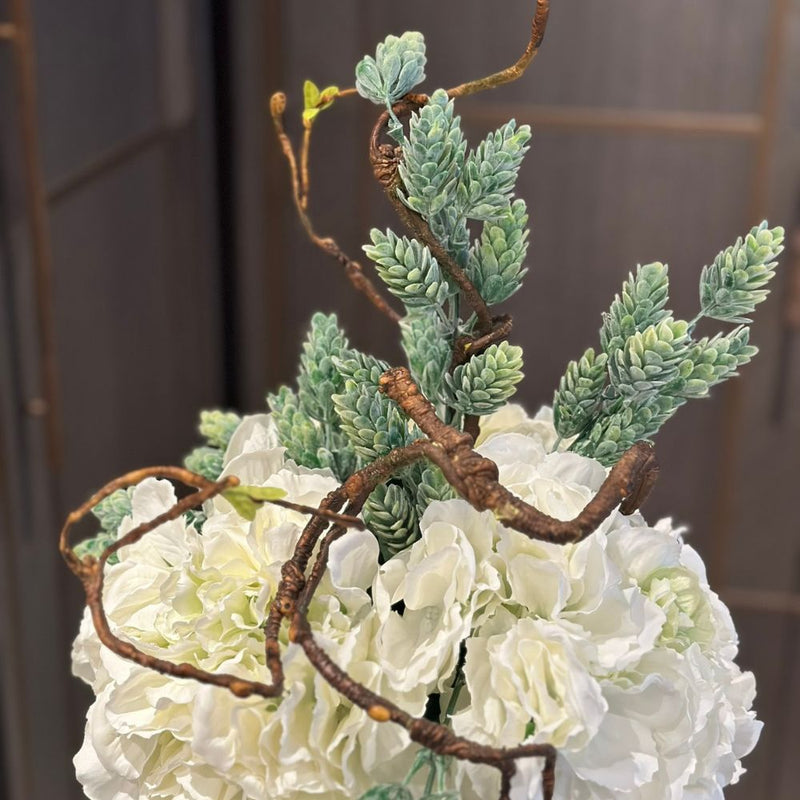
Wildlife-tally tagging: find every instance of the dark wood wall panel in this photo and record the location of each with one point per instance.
(100, 61)
(132, 393)
(681, 55)
(127, 138)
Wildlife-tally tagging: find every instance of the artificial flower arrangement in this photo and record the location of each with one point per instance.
(398, 585)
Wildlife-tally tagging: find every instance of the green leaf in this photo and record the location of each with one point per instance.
(391, 515)
(433, 157)
(310, 95)
(246, 500)
(427, 344)
(316, 100)
(96, 545)
(614, 432)
(491, 170)
(328, 95)
(654, 366)
(319, 378)
(205, 461)
(113, 509)
(217, 427)
(431, 486)
(373, 424)
(713, 361)
(651, 359)
(495, 263)
(307, 423)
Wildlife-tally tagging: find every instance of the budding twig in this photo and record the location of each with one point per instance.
(299, 181)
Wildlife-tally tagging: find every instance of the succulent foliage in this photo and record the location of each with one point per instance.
(487, 380)
(579, 393)
(205, 461)
(433, 157)
(490, 172)
(496, 261)
(426, 343)
(733, 285)
(398, 66)
(391, 515)
(408, 269)
(650, 365)
(337, 418)
(370, 420)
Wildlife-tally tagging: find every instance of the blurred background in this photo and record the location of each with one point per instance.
(151, 266)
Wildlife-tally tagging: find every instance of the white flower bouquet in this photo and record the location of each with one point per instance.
(475, 606)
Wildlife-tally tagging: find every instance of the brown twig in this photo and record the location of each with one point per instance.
(465, 347)
(385, 160)
(422, 231)
(90, 570)
(516, 70)
(341, 519)
(299, 179)
(304, 156)
(473, 476)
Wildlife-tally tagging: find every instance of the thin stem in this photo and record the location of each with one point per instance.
(421, 230)
(304, 156)
(431, 778)
(353, 269)
(459, 682)
(419, 762)
(517, 69)
(694, 321)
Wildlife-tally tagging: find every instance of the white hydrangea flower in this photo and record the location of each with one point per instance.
(614, 649)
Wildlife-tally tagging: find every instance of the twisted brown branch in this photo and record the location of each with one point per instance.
(472, 475)
(385, 159)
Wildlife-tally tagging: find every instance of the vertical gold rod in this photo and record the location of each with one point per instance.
(37, 214)
(722, 525)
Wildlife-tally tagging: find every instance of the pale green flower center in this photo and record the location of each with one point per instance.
(689, 618)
